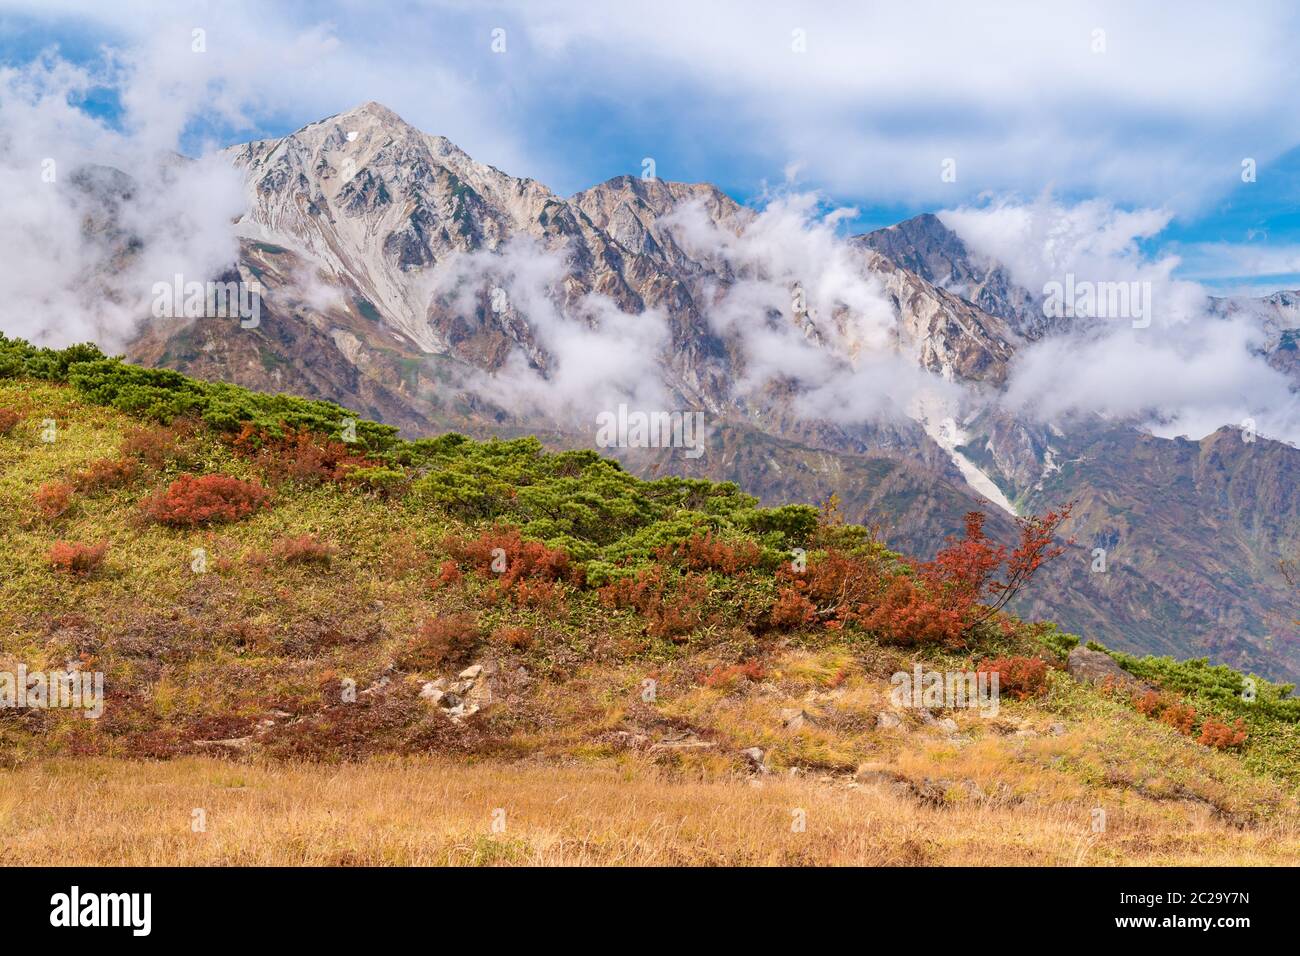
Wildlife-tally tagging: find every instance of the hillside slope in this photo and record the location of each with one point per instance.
(644, 632)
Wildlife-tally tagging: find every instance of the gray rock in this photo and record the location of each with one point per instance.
(684, 742)
(794, 718)
(1056, 730)
(471, 672)
(1093, 667)
(947, 725)
(876, 773)
(754, 756)
(887, 721)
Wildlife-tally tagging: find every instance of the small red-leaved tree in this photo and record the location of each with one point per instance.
(968, 571)
(193, 500)
(970, 581)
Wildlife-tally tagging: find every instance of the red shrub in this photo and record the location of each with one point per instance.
(1179, 716)
(193, 500)
(304, 549)
(502, 552)
(1022, 677)
(942, 600)
(792, 609)
(76, 558)
(672, 611)
(708, 552)
(104, 473)
(156, 446)
(448, 573)
(9, 419)
(302, 456)
(1215, 733)
(543, 595)
(442, 640)
(725, 677)
(1149, 704)
(520, 638)
(53, 498)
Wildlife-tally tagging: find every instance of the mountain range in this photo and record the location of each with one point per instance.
(404, 279)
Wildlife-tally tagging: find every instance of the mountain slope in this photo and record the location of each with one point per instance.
(384, 252)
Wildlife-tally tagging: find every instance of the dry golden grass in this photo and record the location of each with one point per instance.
(102, 812)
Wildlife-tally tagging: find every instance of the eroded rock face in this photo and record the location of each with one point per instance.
(1093, 667)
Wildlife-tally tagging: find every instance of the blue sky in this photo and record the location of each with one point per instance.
(861, 103)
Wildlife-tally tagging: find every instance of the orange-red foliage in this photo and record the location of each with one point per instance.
(1022, 677)
(193, 500)
(9, 419)
(708, 552)
(942, 600)
(304, 549)
(792, 609)
(502, 552)
(1179, 716)
(104, 473)
(1215, 733)
(76, 558)
(672, 611)
(543, 595)
(442, 640)
(53, 498)
(727, 676)
(156, 445)
(448, 573)
(302, 456)
(520, 638)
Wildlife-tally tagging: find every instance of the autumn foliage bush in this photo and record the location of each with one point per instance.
(302, 456)
(9, 420)
(1215, 733)
(304, 549)
(672, 609)
(708, 552)
(1172, 710)
(442, 640)
(727, 676)
(104, 473)
(157, 446)
(193, 500)
(1022, 677)
(502, 552)
(53, 499)
(942, 601)
(76, 558)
